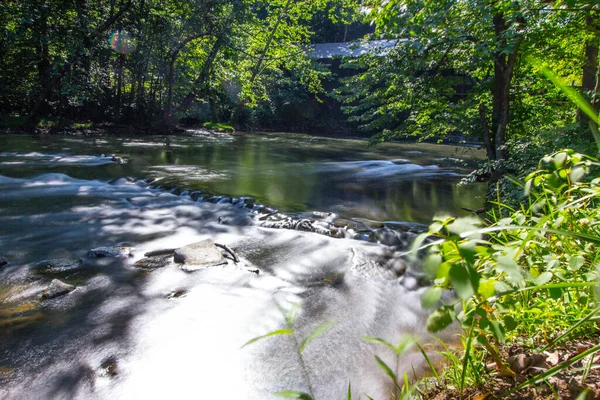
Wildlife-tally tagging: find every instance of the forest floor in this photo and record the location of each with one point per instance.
(580, 380)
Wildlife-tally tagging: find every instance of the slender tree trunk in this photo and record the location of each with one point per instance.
(43, 51)
(504, 65)
(171, 82)
(214, 115)
(488, 139)
(203, 81)
(255, 72)
(119, 85)
(46, 90)
(171, 76)
(591, 67)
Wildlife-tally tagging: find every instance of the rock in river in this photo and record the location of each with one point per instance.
(199, 255)
(3, 261)
(57, 288)
(154, 262)
(112, 251)
(57, 265)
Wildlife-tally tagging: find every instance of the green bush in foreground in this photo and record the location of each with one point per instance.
(530, 276)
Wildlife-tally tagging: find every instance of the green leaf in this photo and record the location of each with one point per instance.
(576, 262)
(543, 278)
(506, 264)
(464, 224)
(274, 333)
(431, 264)
(290, 394)
(464, 279)
(379, 341)
(440, 319)
(349, 392)
(487, 288)
(576, 174)
(431, 297)
(510, 323)
(404, 345)
(317, 332)
(497, 330)
(559, 159)
(388, 371)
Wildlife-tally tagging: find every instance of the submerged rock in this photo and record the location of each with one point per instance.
(199, 255)
(112, 251)
(57, 288)
(3, 261)
(154, 262)
(57, 265)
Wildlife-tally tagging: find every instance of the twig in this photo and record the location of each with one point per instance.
(228, 249)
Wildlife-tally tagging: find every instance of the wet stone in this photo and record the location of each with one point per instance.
(194, 195)
(177, 294)
(111, 252)
(154, 262)
(57, 265)
(3, 261)
(199, 255)
(57, 288)
(386, 236)
(109, 367)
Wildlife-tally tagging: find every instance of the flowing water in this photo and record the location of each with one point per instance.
(123, 334)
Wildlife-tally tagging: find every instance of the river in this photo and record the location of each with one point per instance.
(123, 334)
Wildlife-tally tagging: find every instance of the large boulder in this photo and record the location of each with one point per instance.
(57, 288)
(199, 255)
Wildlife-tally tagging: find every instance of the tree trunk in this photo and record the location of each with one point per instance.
(203, 81)
(503, 72)
(43, 51)
(170, 82)
(119, 85)
(171, 77)
(590, 79)
(255, 72)
(47, 89)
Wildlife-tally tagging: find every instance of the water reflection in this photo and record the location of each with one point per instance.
(393, 181)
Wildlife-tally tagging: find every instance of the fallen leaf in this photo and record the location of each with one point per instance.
(553, 358)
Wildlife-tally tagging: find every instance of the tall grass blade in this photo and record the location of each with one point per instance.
(317, 332)
(274, 333)
(290, 394)
(431, 366)
(388, 371)
(379, 341)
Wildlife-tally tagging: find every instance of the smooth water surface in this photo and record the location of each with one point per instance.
(293, 172)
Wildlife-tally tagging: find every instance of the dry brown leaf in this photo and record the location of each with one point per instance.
(553, 358)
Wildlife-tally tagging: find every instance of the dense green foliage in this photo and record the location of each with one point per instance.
(469, 67)
(147, 60)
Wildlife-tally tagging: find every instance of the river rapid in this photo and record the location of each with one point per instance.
(128, 333)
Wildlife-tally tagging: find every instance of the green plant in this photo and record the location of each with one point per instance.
(403, 389)
(532, 272)
(290, 317)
